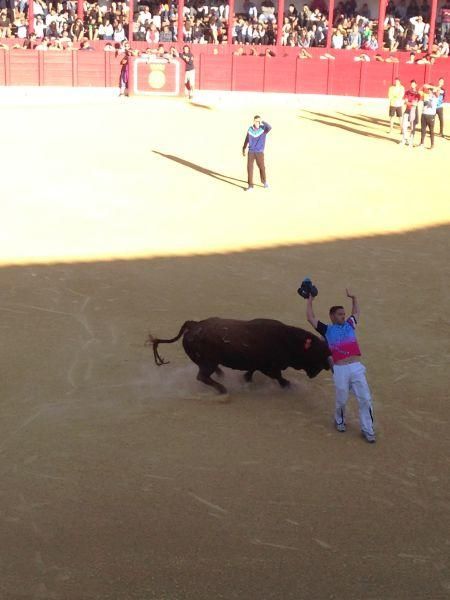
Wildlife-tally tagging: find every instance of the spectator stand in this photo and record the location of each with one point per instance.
(230, 65)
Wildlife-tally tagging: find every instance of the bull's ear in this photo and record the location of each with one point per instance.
(307, 344)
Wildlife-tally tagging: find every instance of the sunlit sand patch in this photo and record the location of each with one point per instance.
(174, 185)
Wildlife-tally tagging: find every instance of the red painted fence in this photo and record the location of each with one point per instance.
(224, 71)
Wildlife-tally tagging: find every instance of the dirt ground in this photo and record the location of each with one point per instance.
(122, 480)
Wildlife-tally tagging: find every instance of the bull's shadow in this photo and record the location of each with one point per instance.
(204, 170)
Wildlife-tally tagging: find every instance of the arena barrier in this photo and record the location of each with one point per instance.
(284, 73)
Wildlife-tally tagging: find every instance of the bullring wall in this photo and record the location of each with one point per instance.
(225, 71)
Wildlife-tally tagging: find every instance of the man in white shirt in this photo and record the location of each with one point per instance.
(420, 28)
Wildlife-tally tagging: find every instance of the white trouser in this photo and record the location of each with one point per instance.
(352, 378)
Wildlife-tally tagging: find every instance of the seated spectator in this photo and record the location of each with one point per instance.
(106, 30)
(92, 29)
(337, 40)
(39, 27)
(286, 31)
(291, 14)
(412, 44)
(267, 11)
(85, 46)
(27, 44)
(303, 54)
(119, 33)
(152, 34)
(65, 34)
(54, 45)
(250, 9)
(316, 36)
(77, 30)
(354, 39)
(52, 30)
(5, 24)
(365, 12)
(401, 10)
(21, 26)
(425, 60)
(187, 31)
(371, 43)
(42, 46)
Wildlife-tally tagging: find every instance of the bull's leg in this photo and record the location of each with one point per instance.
(204, 375)
(276, 374)
(248, 376)
(219, 372)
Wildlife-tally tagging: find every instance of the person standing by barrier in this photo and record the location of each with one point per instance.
(395, 95)
(124, 75)
(349, 373)
(411, 115)
(189, 77)
(256, 141)
(440, 106)
(428, 114)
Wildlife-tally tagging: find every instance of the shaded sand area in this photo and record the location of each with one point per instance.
(126, 481)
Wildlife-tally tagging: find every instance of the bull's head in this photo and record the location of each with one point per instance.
(316, 356)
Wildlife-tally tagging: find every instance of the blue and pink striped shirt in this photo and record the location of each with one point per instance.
(341, 339)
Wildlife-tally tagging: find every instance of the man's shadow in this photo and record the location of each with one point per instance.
(200, 169)
(346, 126)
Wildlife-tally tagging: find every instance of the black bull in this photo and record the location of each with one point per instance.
(259, 345)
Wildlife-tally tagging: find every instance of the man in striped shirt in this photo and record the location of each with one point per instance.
(349, 373)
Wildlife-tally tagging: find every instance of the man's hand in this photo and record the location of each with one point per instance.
(350, 294)
(243, 151)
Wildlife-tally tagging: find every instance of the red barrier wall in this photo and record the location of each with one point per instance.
(224, 71)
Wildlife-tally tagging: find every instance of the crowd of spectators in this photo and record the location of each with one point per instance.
(56, 25)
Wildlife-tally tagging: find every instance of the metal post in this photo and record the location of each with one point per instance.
(330, 23)
(381, 17)
(80, 10)
(130, 20)
(432, 24)
(280, 21)
(180, 22)
(230, 22)
(30, 16)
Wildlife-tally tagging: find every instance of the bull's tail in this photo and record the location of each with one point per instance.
(152, 341)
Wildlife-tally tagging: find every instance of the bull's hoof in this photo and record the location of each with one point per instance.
(221, 389)
(224, 398)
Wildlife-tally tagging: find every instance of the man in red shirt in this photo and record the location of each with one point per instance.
(411, 114)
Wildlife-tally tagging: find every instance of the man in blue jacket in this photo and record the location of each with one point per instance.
(256, 141)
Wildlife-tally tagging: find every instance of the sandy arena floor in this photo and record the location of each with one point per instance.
(125, 481)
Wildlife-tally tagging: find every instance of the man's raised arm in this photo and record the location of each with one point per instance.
(355, 305)
(310, 312)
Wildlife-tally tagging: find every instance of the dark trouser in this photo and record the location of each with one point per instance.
(427, 121)
(259, 157)
(440, 114)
